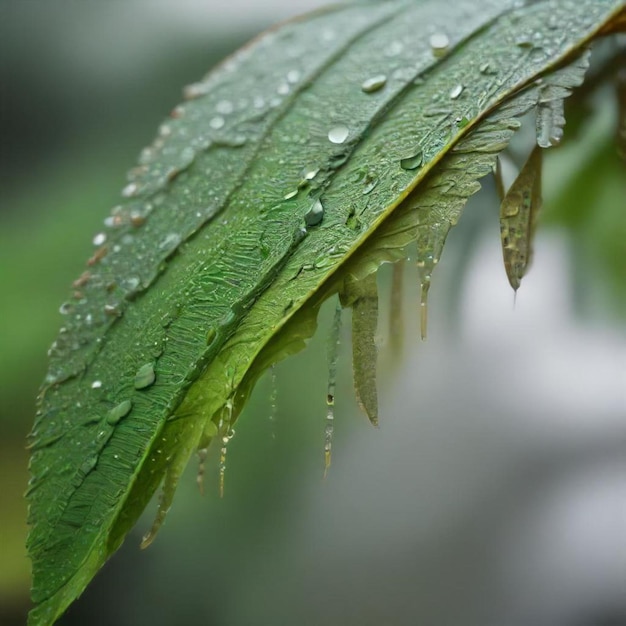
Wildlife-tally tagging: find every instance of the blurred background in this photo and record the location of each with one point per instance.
(494, 491)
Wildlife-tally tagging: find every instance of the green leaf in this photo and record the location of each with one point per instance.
(289, 174)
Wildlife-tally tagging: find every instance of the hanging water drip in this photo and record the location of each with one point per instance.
(226, 433)
(273, 400)
(202, 455)
(333, 356)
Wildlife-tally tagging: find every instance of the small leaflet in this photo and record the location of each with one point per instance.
(550, 107)
(362, 296)
(518, 213)
(333, 356)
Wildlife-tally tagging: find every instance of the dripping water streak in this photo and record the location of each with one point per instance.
(333, 356)
(202, 455)
(273, 400)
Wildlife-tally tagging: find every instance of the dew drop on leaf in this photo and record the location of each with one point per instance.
(373, 84)
(145, 376)
(217, 122)
(225, 107)
(456, 91)
(99, 239)
(315, 214)
(412, 162)
(439, 43)
(338, 134)
(118, 412)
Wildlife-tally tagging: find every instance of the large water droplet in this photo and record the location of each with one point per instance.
(338, 134)
(315, 214)
(373, 84)
(310, 174)
(456, 91)
(119, 412)
(145, 376)
(412, 162)
(439, 43)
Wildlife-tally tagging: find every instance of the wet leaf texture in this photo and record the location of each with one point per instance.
(288, 174)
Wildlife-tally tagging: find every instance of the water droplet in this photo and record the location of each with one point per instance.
(291, 194)
(293, 76)
(99, 239)
(66, 308)
(217, 122)
(314, 215)
(439, 43)
(195, 90)
(130, 190)
(338, 134)
(145, 376)
(119, 412)
(112, 310)
(165, 130)
(456, 91)
(283, 89)
(373, 84)
(412, 162)
(137, 219)
(310, 174)
(225, 107)
(96, 384)
(170, 242)
(370, 185)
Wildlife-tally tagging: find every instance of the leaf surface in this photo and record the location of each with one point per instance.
(312, 155)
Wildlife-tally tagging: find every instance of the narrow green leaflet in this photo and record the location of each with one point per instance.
(290, 173)
(518, 214)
